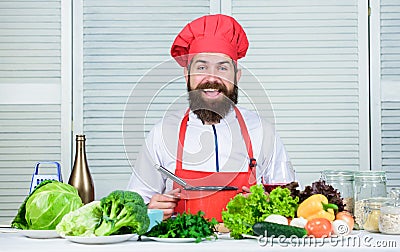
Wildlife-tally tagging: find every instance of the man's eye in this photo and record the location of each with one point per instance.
(201, 68)
(223, 68)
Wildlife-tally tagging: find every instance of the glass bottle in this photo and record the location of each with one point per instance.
(389, 219)
(367, 184)
(80, 176)
(343, 181)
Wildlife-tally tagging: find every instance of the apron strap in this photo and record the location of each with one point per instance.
(243, 129)
(246, 138)
(249, 147)
(181, 141)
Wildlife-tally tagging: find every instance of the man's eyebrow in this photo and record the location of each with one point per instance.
(219, 63)
(224, 62)
(200, 61)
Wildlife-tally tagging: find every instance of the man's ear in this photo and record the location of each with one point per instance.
(185, 72)
(238, 74)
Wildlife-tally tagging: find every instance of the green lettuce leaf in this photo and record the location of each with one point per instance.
(81, 222)
(280, 202)
(244, 211)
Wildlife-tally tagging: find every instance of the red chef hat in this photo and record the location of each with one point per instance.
(213, 34)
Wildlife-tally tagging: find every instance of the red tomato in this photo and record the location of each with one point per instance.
(319, 227)
(347, 217)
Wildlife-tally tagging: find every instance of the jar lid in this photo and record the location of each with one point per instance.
(375, 202)
(370, 176)
(337, 175)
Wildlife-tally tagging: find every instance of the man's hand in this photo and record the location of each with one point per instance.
(166, 202)
(245, 189)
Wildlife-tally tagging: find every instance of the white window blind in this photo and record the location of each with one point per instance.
(307, 54)
(390, 81)
(122, 40)
(30, 103)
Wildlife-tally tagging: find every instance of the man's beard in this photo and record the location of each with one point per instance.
(208, 110)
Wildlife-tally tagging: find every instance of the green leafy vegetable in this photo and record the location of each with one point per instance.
(124, 212)
(244, 211)
(185, 225)
(44, 208)
(280, 202)
(319, 187)
(81, 222)
(120, 212)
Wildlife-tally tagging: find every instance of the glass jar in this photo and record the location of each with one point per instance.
(367, 184)
(389, 219)
(343, 181)
(372, 212)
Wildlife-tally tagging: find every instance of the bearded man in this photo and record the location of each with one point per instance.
(214, 142)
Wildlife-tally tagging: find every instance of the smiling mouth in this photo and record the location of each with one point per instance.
(211, 92)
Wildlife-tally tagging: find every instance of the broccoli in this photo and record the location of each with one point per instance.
(123, 212)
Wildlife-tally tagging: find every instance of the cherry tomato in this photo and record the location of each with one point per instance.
(319, 227)
(347, 217)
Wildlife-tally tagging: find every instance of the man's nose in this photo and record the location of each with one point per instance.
(212, 77)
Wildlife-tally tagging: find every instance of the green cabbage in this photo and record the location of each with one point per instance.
(44, 208)
(81, 222)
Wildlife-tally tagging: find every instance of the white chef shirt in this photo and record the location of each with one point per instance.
(200, 150)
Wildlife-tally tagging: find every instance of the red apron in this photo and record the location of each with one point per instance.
(200, 178)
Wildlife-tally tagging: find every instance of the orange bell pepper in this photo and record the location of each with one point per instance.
(316, 206)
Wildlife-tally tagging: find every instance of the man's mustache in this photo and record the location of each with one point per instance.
(212, 85)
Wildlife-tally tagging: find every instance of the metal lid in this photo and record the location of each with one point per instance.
(373, 176)
(337, 175)
(375, 202)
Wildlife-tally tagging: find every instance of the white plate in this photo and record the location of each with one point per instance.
(173, 240)
(39, 234)
(100, 239)
(7, 229)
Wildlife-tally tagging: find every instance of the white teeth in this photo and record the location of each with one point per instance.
(210, 90)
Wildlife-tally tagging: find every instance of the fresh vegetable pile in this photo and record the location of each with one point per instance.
(244, 211)
(44, 208)
(121, 212)
(316, 211)
(185, 225)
